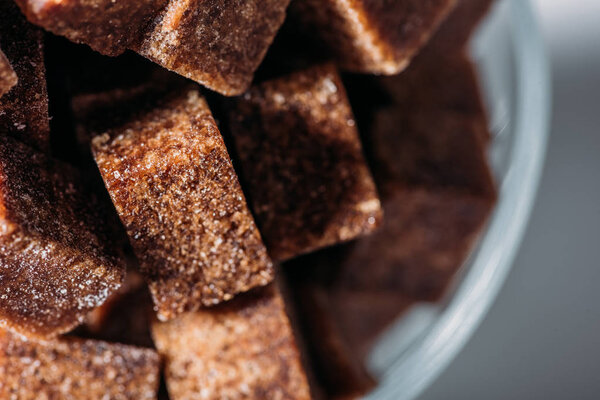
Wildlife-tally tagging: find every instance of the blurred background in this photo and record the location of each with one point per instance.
(541, 338)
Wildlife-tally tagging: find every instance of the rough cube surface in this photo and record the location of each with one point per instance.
(373, 36)
(214, 42)
(8, 77)
(172, 182)
(244, 349)
(75, 369)
(302, 161)
(108, 26)
(24, 109)
(57, 262)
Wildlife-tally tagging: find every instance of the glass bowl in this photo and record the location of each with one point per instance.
(514, 75)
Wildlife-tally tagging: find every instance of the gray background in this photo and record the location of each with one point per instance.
(541, 339)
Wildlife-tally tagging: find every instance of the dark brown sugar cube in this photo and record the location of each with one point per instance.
(218, 44)
(442, 77)
(437, 193)
(57, 259)
(338, 371)
(108, 26)
(24, 109)
(373, 36)
(243, 349)
(171, 180)
(75, 369)
(438, 231)
(302, 161)
(8, 77)
(412, 264)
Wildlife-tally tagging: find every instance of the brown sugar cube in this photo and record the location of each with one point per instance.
(24, 109)
(215, 43)
(58, 260)
(171, 180)
(302, 161)
(341, 326)
(437, 193)
(338, 371)
(75, 369)
(412, 258)
(243, 349)
(373, 36)
(107, 26)
(442, 77)
(8, 78)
